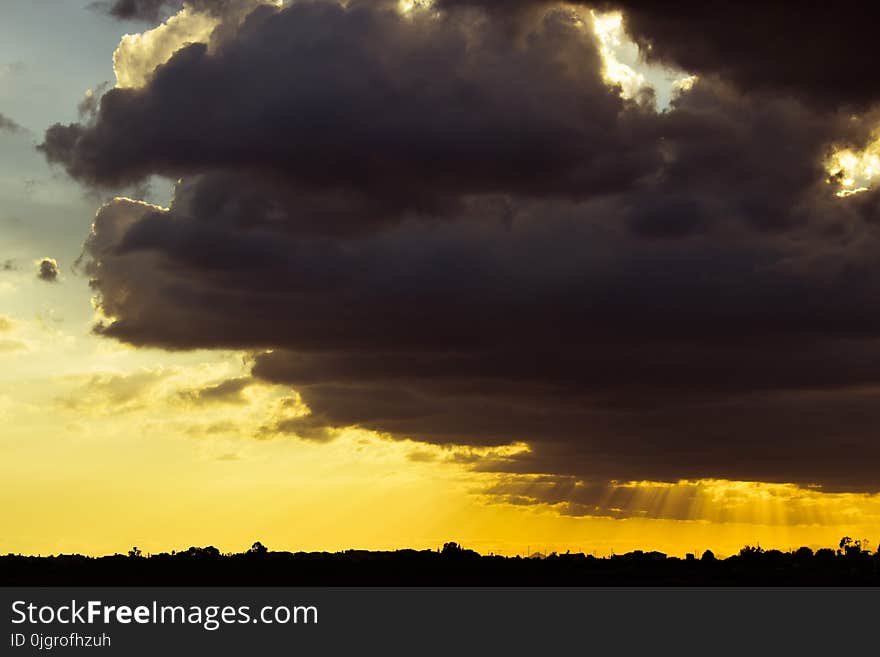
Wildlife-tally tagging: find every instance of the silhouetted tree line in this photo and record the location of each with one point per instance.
(851, 564)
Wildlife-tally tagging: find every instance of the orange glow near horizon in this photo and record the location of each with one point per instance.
(114, 468)
(107, 447)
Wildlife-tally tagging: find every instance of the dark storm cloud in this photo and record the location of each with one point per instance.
(9, 126)
(448, 230)
(412, 112)
(47, 270)
(816, 50)
(611, 357)
(631, 425)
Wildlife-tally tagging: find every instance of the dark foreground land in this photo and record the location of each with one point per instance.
(453, 566)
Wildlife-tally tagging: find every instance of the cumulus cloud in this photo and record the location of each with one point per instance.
(138, 55)
(397, 139)
(448, 226)
(47, 270)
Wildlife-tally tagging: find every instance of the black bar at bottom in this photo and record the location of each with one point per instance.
(416, 621)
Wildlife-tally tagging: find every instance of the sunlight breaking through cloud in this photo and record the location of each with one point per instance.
(712, 500)
(138, 55)
(853, 171)
(612, 40)
(408, 6)
(624, 65)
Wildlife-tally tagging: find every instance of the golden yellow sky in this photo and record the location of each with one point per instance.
(103, 447)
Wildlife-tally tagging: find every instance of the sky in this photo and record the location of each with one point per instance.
(526, 275)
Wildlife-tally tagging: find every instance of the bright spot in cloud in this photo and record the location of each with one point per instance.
(138, 55)
(612, 40)
(624, 66)
(408, 6)
(852, 171)
(685, 84)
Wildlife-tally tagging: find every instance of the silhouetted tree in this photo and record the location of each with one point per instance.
(258, 549)
(209, 552)
(849, 564)
(803, 553)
